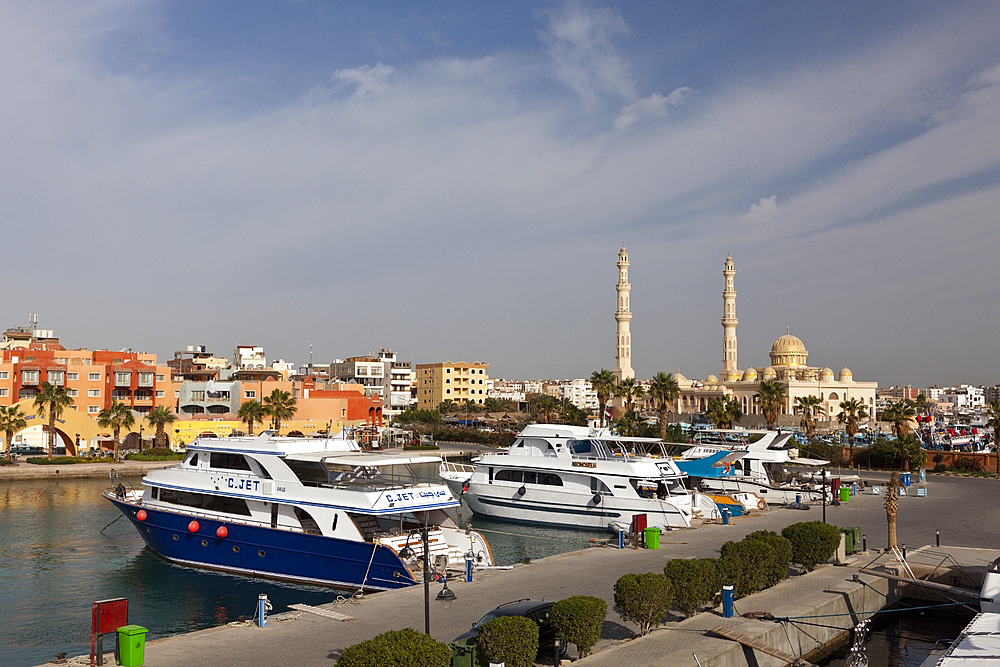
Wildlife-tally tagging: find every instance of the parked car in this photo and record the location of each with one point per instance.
(536, 610)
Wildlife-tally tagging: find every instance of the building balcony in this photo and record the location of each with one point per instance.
(139, 400)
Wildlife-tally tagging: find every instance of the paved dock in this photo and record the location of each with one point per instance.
(29, 471)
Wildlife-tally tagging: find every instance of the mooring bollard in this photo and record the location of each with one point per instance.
(903, 549)
(262, 606)
(864, 542)
(727, 602)
(798, 498)
(621, 539)
(937, 538)
(468, 569)
(725, 517)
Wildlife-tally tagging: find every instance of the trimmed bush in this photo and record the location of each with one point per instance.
(578, 620)
(813, 542)
(752, 560)
(512, 640)
(777, 568)
(643, 599)
(155, 454)
(693, 583)
(397, 648)
(61, 460)
(886, 454)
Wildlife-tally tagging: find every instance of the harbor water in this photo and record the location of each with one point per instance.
(905, 639)
(55, 562)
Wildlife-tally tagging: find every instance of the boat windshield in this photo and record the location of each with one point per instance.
(588, 449)
(658, 488)
(372, 477)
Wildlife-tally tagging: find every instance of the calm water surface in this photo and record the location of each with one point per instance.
(54, 562)
(906, 639)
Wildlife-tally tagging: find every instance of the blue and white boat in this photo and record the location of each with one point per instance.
(312, 511)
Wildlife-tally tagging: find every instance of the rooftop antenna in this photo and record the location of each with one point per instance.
(33, 322)
(310, 358)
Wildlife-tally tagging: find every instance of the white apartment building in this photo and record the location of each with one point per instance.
(580, 393)
(249, 357)
(964, 396)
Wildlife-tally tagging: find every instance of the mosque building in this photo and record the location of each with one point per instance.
(788, 366)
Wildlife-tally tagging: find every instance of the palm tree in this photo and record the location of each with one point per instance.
(717, 411)
(892, 507)
(471, 408)
(498, 404)
(545, 407)
(279, 406)
(11, 421)
(629, 390)
(251, 412)
(851, 412)
(734, 413)
(771, 398)
(159, 417)
(901, 414)
(809, 406)
(446, 406)
(52, 399)
(603, 382)
(117, 417)
(664, 392)
(992, 411)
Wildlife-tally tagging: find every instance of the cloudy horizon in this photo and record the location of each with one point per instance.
(455, 181)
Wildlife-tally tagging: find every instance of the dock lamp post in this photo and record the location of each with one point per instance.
(824, 495)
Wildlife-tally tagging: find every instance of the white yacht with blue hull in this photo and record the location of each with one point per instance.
(313, 511)
(576, 477)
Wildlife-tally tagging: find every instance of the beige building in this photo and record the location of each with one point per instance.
(789, 365)
(456, 381)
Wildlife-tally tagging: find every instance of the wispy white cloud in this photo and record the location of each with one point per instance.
(650, 108)
(582, 45)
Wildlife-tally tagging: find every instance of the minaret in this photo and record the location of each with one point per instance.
(623, 353)
(729, 321)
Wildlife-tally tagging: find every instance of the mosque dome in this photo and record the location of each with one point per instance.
(846, 375)
(733, 375)
(711, 379)
(788, 351)
(679, 377)
(750, 375)
(826, 374)
(769, 374)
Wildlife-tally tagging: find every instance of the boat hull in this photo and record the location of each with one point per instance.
(771, 495)
(259, 551)
(568, 511)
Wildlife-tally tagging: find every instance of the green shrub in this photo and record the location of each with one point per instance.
(60, 460)
(939, 458)
(643, 599)
(751, 559)
(693, 583)
(940, 467)
(155, 454)
(777, 568)
(397, 648)
(813, 542)
(817, 449)
(886, 454)
(578, 620)
(512, 640)
(967, 464)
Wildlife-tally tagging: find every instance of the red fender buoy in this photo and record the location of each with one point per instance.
(141, 515)
(221, 532)
(465, 487)
(193, 527)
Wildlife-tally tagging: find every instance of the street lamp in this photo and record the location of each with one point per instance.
(824, 495)
(141, 427)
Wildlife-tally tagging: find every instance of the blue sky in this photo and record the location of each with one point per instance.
(454, 180)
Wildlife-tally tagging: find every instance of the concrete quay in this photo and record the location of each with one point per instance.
(28, 471)
(962, 509)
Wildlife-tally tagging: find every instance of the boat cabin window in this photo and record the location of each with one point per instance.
(597, 486)
(204, 501)
(229, 461)
(588, 449)
(155, 492)
(192, 459)
(528, 477)
(309, 524)
(310, 473)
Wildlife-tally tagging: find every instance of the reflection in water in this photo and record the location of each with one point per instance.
(906, 639)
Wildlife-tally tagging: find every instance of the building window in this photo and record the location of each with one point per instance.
(251, 393)
(160, 393)
(4, 375)
(57, 378)
(447, 380)
(93, 393)
(447, 391)
(145, 379)
(447, 370)
(120, 395)
(197, 395)
(123, 379)
(72, 377)
(94, 377)
(93, 409)
(4, 392)
(159, 378)
(29, 377)
(72, 393)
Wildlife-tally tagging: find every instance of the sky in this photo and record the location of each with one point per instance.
(453, 180)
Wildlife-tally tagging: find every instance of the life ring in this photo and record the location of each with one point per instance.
(465, 487)
(762, 504)
(727, 468)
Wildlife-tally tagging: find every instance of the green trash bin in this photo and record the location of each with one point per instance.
(131, 645)
(463, 655)
(652, 538)
(845, 494)
(849, 544)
